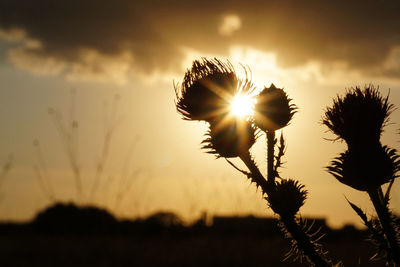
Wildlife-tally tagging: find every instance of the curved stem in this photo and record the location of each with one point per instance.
(386, 222)
(302, 239)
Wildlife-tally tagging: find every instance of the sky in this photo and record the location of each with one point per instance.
(106, 72)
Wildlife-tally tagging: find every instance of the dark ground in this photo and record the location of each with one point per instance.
(65, 235)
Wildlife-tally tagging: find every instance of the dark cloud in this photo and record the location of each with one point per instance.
(362, 34)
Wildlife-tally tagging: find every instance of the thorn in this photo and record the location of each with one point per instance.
(240, 170)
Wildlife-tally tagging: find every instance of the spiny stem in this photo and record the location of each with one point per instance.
(386, 222)
(304, 242)
(270, 156)
(302, 239)
(256, 176)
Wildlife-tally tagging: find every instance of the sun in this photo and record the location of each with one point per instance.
(242, 105)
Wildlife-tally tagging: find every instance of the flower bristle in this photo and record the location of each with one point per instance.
(205, 90)
(359, 117)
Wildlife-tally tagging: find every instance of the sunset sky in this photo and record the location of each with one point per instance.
(122, 58)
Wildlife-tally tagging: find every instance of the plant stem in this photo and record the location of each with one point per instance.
(257, 177)
(270, 156)
(302, 239)
(386, 222)
(304, 243)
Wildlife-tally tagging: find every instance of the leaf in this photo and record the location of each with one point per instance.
(359, 212)
(387, 194)
(281, 153)
(248, 174)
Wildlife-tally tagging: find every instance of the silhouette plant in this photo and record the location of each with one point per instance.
(206, 94)
(358, 118)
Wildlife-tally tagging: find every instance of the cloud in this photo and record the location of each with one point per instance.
(84, 39)
(110, 39)
(230, 24)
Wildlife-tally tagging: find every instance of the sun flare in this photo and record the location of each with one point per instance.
(242, 105)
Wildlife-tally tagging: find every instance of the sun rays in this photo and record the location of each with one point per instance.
(242, 105)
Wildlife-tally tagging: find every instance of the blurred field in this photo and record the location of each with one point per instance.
(58, 238)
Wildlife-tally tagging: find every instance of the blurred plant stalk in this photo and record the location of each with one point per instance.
(117, 185)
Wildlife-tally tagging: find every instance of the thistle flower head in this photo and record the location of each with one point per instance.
(367, 169)
(207, 89)
(359, 116)
(287, 198)
(273, 109)
(229, 137)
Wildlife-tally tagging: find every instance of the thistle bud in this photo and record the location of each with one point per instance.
(273, 109)
(359, 117)
(206, 90)
(287, 198)
(230, 137)
(367, 169)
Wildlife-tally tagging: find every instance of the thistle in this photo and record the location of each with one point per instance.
(206, 94)
(206, 90)
(230, 138)
(287, 198)
(366, 170)
(273, 109)
(358, 118)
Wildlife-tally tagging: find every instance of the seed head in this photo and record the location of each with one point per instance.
(273, 109)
